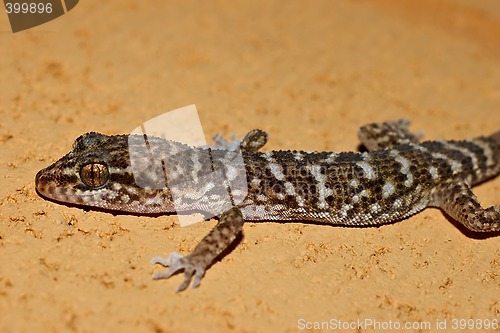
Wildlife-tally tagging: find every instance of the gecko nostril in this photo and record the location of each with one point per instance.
(38, 179)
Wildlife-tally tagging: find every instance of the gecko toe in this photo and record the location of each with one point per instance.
(188, 274)
(176, 262)
(167, 262)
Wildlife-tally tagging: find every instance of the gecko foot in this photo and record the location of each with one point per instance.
(210, 247)
(222, 143)
(176, 262)
(252, 141)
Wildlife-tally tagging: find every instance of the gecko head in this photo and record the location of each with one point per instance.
(98, 172)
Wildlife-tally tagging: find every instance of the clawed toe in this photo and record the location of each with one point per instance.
(176, 262)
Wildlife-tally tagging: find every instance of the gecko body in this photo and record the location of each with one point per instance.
(397, 177)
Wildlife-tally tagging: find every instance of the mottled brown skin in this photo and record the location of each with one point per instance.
(398, 177)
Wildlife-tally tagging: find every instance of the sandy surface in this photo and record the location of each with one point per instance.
(310, 75)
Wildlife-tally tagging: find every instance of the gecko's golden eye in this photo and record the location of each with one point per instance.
(94, 175)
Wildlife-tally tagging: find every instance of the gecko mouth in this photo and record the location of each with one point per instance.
(95, 199)
(49, 186)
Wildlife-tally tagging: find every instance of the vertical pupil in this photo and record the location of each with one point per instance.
(94, 175)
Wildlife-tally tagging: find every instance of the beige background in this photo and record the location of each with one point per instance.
(309, 73)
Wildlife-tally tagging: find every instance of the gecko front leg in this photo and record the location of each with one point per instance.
(220, 237)
(210, 247)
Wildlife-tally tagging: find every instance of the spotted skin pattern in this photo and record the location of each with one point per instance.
(397, 177)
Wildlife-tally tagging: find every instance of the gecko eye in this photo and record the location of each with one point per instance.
(94, 175)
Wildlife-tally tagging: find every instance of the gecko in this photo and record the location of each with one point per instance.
(396, 176)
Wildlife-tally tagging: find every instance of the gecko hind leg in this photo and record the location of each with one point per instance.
(210, 247)
(387, 135)
(458, 201)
